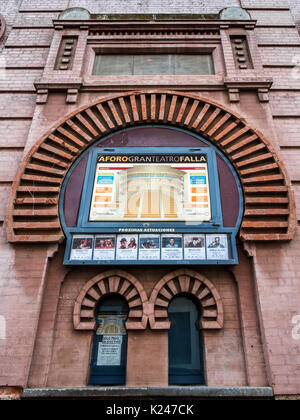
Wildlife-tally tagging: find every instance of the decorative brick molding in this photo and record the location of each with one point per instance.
(114, 281)
(32, 213)
(235, 85)
(241, 52)
(130, 33)
(191, 283)
(155, 309)
(66, 53)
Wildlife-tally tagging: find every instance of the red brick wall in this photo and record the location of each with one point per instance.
(224, 353)
(22, 289)
(147, 361)
(277, 271)
(295, 8)
(61, 355)
(9, 10)
(154, 6)
(35, 346)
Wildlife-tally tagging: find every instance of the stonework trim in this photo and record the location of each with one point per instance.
(171, 393)
(113, 281)
(269, 202)
(185, 281)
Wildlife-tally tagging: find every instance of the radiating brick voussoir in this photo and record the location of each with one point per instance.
(107, 283)
(189, 282)
(256, 163)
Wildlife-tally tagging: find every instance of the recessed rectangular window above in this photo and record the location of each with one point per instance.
(134, 65)
(153, 64)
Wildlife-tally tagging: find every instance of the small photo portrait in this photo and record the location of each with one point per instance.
(127, 242)
(82, 243)
(194, 241)
(172, 242)
(105, 243)
(194, 247)
(217, 247)
(82, 247)
(149, 243)
(132, 243)
(217, 242)
(127, 247)
(172, 247)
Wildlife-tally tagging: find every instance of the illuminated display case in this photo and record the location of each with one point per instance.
(151, 187)
(151, 205)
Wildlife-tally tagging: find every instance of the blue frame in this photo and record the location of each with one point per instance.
(215, 226)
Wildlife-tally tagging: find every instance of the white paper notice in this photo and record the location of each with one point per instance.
(109, 350)
(194, 247)
(127, 247)
(82, 247)
(104, 248)
(217, 247)
(171, 247)
(149, 247)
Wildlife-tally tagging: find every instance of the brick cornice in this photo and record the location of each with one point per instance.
(32, 213)
(183, 22)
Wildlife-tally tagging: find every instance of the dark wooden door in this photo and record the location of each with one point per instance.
(109, 352)
(186, 365)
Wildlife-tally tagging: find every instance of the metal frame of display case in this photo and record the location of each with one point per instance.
(214, 226)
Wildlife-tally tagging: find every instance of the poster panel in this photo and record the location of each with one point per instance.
(164, 187)
(194, 247)
(127, 247)
(171, 247)
(149, 247)
(104, 247)
(82, 247)
(112, 329)
(109, 350)
(217, 247)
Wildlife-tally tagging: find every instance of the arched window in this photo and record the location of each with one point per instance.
(186, 365)
(109, 351)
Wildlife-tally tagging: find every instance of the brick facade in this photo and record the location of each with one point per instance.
(258, 344)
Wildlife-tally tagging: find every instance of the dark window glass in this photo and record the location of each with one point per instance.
(153, 64)
(185, 343)
(181, 325)
(109, 351)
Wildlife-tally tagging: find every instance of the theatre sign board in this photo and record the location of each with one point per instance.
(165, 188)
(151, 206)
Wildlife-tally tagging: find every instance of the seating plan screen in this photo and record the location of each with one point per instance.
(151, 188)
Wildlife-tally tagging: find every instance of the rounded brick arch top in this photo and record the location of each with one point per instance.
(113, 281)
(33, 215)
(191, 283)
